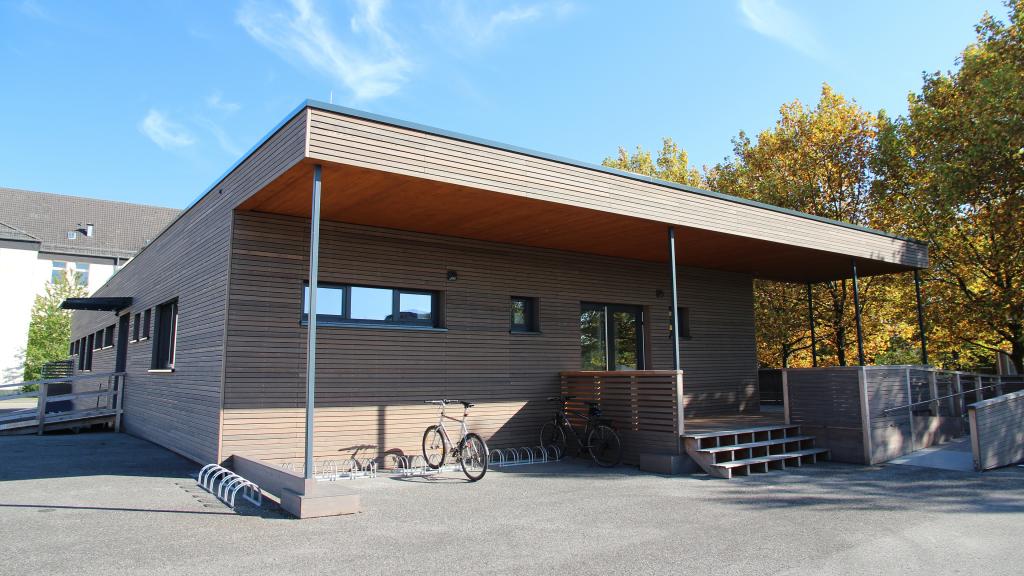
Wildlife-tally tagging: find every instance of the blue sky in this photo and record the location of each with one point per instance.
(151, 101)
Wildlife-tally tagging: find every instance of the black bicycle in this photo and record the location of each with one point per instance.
(602, 442)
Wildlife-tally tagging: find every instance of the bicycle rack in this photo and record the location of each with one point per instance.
(501, 457)
(226, 485)
(348, 469)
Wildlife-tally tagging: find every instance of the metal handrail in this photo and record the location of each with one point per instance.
(955, 394)
(63, 379)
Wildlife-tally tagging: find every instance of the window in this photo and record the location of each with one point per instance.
(98, 340)
(524, 315)
(371, 305)
(58, 270)
(74, 348)
(611, 337)
(108, 336)
(87, 357)
(166, 329)
(82, 273)
(146, 323)
(81, 354)
(684, 322)
(135, 327)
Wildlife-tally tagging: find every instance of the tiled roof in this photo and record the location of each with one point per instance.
(120, 229)
(12, 233)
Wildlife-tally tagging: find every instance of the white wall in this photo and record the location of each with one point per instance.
(24, 276)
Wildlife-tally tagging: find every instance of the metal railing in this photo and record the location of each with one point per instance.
(958, 381)
(106, 396)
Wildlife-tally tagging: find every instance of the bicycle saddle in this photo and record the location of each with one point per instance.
(559, 398)
(466, 404)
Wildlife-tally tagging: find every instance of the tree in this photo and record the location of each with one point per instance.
(815, 160)
(952, 172)
(49, 331)
(672, 164)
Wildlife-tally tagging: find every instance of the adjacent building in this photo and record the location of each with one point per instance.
(43, 236)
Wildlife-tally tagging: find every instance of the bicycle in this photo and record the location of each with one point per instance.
(603, 442)
(471, 452)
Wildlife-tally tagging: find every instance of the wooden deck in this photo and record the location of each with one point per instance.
(733, 422)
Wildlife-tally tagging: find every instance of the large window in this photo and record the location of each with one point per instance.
(611, 337)
(524, 315)
(340, 304)
(165, 339)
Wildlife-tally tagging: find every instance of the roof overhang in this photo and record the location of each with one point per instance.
(385, 173)
(112, 304)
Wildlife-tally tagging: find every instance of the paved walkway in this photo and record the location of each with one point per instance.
(955, 455)
(111, 504)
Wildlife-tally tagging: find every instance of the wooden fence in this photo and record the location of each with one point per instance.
(872, 414)
(645, 407)
(997, 431)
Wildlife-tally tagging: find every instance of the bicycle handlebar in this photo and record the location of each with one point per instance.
(443, 401)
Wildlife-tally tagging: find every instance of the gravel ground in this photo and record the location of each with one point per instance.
(104, 503)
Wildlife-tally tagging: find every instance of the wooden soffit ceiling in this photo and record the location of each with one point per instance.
(374, 198)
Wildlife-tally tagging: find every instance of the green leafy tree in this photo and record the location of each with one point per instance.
(49, 331)
(815, 160)
(672, 164)
(952, 172)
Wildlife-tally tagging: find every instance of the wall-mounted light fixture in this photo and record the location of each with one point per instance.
(453, 275)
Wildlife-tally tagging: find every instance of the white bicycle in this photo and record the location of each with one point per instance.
(471, 452)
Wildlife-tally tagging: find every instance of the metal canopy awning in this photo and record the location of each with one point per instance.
(112, 304)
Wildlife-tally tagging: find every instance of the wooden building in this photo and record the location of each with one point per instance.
(449, 266)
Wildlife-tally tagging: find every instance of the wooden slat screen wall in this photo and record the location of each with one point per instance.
(360, 142)
(997, 431)
(371, 382)
(189, 261)
(826, 403)
(642, 405)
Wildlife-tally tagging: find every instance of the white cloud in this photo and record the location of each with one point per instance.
(165, 133)
(366, 60)
(478, 29)
(769, 19)
(226, 143)
(217, 102)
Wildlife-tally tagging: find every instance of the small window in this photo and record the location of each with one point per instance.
(371, 305)
(164, 342)
(58, 270)
(146, 323)
(87, 365)
(684, 323)
(135, 327)
(108, 336)
(524, 315)
(74, 348)
(81, 354)
(97, 342)
(82, 273)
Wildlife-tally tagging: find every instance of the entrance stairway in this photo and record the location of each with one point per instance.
(728, 453)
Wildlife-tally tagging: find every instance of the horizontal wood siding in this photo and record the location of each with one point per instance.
(643, 407)
(188, 261)
(826, 403)
(359, 142)
(371, 382)
(997, 430)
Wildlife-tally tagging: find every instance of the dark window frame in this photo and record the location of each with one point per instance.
(87, 364)
(135, 327)
(685, 323)
(108, 336)
(165, 337)
(147, 323)
(531, 314)
(345, 319)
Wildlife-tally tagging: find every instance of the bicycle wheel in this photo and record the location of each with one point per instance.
(434, 449)
(551, 434)
(605, 446)
(473, 456)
